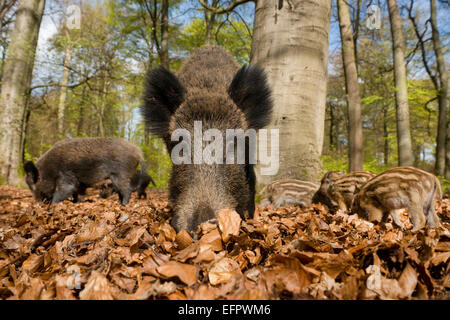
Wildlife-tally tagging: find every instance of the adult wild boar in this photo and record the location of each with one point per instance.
(74, 164)
(212, 89)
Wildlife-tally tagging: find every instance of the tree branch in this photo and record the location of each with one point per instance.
(221, 10)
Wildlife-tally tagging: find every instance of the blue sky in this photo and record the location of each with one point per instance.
(186, 11)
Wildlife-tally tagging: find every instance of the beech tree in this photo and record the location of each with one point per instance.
(16, 80)
(405, 155)
(355, 133)
(290, 40)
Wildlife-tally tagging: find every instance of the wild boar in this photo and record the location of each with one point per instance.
(80, 163)
(321, 195)
(342, 190)
(396, 189)
(139, 183)
(288, 192)
(209, 88)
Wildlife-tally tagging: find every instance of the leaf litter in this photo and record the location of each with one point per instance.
(99, 249)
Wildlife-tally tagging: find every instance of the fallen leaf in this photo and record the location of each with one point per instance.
(184, 272)
(229, 223)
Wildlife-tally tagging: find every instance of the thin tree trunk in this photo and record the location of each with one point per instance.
(447, 156)
(102, 104)
(17, 76)
(355, 133)
(165, 34)
(440, 166)
(290, 41)
(385, 136)
(26, 121)
(64, 83)
(210, 20)
(332, 134)
(405, 154)
(355, 34)
(81, 115)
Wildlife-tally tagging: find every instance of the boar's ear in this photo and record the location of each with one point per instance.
(163, 95)
(31, 171)
(251, 93)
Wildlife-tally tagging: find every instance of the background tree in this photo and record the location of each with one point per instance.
(438, 76)
(441, 166)
(405, 155)
(15, 86)
(355, 136)
(290, 40)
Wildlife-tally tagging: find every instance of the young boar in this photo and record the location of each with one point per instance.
(288, 192)
(321, 195)
(342, 190)
(209, 88)
(396, 189)
(74, 164)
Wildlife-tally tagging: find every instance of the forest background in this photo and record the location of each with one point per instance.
(88, 79)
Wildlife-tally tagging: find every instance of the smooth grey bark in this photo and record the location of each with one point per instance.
(405, 154)
(442, 164)
(16, 81)
(290, 41)
(355, 132)
(64, 83)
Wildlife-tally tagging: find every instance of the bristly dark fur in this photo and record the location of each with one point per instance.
(32, 170)
(163, 95)
(72, 165)
(209, 87)
(251, 93)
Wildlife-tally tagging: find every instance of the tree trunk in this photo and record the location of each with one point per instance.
(385, 136)
(210, 20)
(16, 80)
(440, 166)
(355, 34)
(209, 24)
(405, 155)
(64, 83)
(165, 34)
(355, 133)
(102, 104)
(332, 134)
(447, 156)
(290, 41)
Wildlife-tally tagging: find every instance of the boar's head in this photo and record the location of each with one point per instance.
(41, 188)
(357, 207)
(323, 194)
(209, 88)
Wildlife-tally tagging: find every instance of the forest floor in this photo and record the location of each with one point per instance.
(99, 249)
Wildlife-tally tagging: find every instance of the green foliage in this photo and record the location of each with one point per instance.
(231, 34)
(331, 163)
(445, 184)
